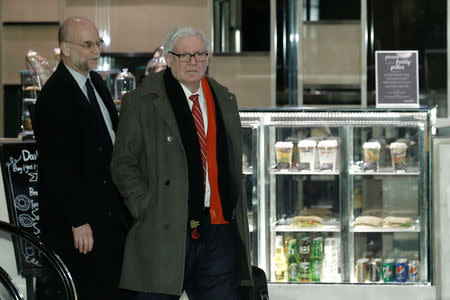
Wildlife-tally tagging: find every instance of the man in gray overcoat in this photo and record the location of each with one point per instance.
(177, 161)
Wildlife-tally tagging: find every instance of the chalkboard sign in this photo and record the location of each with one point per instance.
(20, 174)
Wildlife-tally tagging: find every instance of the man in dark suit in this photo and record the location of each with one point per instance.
(82, 214)
(178, 163)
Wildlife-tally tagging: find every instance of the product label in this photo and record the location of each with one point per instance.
(316, 270)
(304, 271)
(293, 271)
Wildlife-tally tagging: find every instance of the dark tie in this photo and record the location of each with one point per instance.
(96, 109)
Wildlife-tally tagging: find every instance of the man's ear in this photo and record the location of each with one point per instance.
(65, 48)
(168, 61)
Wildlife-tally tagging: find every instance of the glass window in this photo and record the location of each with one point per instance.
(412, 25)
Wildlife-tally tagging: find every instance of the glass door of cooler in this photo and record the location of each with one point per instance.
(304, 178)
(251, 128)
(388, 176)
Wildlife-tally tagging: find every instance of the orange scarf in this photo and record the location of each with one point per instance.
(215, 206)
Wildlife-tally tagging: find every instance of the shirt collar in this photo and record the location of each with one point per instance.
(79, 78)
(188, 93)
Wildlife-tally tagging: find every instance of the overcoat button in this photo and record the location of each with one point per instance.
(167, 182)
(169, 138)
(166, 226)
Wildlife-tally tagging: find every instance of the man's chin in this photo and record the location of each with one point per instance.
(93, 66)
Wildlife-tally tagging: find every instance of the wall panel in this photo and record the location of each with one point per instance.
(247, 76)
(30, 10)
(18, 39)
(332, 54)
(141, 25)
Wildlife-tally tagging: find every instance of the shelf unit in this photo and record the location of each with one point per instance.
(347, 192)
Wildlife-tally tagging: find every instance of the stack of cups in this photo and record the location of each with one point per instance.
(330, 266)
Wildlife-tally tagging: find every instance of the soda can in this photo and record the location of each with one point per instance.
(387, 270)
(414, 271)
(401, 270)
(374, 274)
(361, 269)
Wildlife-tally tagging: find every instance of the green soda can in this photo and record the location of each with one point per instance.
(387, 270)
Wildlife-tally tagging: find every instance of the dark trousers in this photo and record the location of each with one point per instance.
(211, 268)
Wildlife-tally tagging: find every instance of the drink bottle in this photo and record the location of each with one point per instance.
(293, 261)
(316, 261)
(280, 260)
(304, 272)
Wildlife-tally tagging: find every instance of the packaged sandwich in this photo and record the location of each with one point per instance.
(370, 221)
(398, 222)
(307, 221)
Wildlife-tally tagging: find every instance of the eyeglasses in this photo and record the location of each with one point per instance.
(100, 43)
(185, 57)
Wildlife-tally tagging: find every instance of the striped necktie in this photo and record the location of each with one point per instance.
(199, 125)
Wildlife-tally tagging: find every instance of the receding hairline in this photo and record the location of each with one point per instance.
(65, 30)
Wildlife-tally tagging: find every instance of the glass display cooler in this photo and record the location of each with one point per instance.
(340, 197)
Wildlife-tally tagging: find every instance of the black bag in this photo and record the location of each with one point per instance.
(259, 290)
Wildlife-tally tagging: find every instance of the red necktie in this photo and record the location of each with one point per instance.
(199, 125)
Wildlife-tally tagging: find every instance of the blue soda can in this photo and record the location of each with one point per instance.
(401, 270)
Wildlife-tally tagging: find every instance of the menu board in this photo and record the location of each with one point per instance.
(397, 78)
(20, 174)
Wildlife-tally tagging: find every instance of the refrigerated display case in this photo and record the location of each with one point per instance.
(351, 188)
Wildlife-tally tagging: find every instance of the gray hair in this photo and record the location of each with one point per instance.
(183, 31)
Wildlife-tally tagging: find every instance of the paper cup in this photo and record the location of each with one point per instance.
(283, 154)
(327, 155)
(371, 156)
(307, 155)
(398, 156)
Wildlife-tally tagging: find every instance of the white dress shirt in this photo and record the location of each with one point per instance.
(81, 80)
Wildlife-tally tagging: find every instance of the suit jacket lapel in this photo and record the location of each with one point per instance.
(70, 85)
(106, 98)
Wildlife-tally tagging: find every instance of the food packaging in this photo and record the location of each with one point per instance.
(371, 156)
(284, 154)
(327, 155)
(307, 155)
(398, 156)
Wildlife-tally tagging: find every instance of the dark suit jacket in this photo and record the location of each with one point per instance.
(75, 185)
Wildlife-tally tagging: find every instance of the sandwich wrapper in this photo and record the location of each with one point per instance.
(389, 222)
